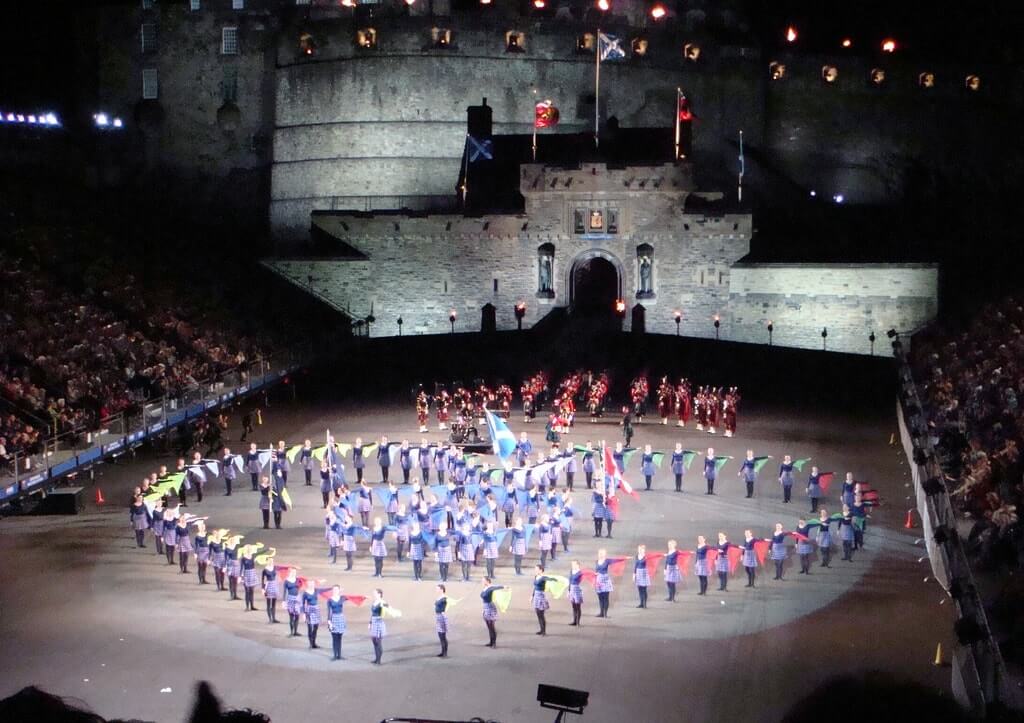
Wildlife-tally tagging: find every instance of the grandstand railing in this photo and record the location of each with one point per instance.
(979, 678)
(72, 452)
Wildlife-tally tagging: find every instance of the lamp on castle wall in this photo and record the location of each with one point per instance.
(451, 319)
(520, 309)
(399, 322)
(678, 316)
(771, 328)
(871, 339)
(824, 338)
(620, 308)
(718, 323)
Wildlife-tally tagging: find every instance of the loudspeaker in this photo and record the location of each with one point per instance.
(65, 501)
(555, 697)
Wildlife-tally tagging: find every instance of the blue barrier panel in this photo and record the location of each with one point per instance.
(157, 427)
(89, 455)
(113, 446)
(34, 480)
(61, 468)
(9, 491)
(212, 403)
(242, 389)
(136, 436)
(228, 396)
(196, 410)
(175, 418)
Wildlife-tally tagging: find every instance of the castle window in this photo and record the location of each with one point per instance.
(596, 220)
(366, 38)
(229, 85)
(515, 42)
(691, 52)
(150, 84)
(229, 41)
(195, 5)
(579, 224)
(829, 73)
(613, 221)
(441, 37)
(307, 45)
(877, 76)
(238, 4)
(147, 4)
(926, 80)
(545, 270)
(644, 271)
(148, 35)
(585, 43)
(972, 82)
(639, 47)
(776, 70)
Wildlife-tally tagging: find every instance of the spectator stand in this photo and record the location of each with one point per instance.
(980, 679)
(37, 471)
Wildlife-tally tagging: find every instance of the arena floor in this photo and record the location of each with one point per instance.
(87, 615)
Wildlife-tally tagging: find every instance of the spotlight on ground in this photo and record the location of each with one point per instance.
(564, 700)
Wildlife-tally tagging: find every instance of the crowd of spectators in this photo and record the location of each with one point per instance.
(71, 356)
(971, 381)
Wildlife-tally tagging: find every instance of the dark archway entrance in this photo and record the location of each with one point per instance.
(595, 287)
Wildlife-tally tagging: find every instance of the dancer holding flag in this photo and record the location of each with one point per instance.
(489, 597)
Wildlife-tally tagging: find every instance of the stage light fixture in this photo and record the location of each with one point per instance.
(791, 34)
(846, 43)
(877, 76)
(972, 83)
(604, 5)
(888, 45)
(829, 73)
(776, 70)
(691, 51)
(926, 80)
(658, 11)
(539, 4)
(838, 198)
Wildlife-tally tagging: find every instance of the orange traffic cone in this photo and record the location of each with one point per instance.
(99, 496)
(909, 524)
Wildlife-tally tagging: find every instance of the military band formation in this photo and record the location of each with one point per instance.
(476, 513)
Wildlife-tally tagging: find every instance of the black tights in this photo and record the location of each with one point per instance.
(169, 549)
(443, 637)
(679, 483)
(577, 613)
(266, 518)
(778, 569)
(336, 644)
(642, 591)
(233, 587)
(671, 591)
(417, 569)
(723, 580)
(466, 564)
(183, 561)
(598, 524)
(250, 603)
(443, 569)
(750, 576)
(311, 632)
(703, 584)
(293, 625)
(590, 479)
(805, 564)
(140, 538)
(378, 649)
(378, 567)
(490, 566)
(201, 571)
(602, 601)
(542, 622)
(272, 609)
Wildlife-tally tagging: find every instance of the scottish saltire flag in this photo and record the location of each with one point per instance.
(479, 149)
(609, 48)
(502, 440)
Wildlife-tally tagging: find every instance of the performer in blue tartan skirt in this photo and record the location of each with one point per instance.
(804, 548)
(599, 510)
(306, 461)
(336, 620)
(440, 464)
(219, 561)
(490, 548)
(292, 602)
(603, 582)
(641, 577)
(271, 589)
(391, 506)
(443, 552)
(466, 549)
(365, 502)
(778, 550)
(377, 628)
(441, 619)
(846, 533)
(358, 460)
(416, 550)
(282, 465)
(571, 465)
(825, 537)
(183, 543)
(588, 464)
(405, 460)
(228, 470)
(250, 577)
(814, 488)
(848, 489)
(384, 458)
(334, 531)
(748, 471)
(647, 466)
(202, 548)
(139, 517)
(264, 502)
(678, 463)
(540, 599)
(171, 533)
(518, 545)
(490, 612)
(157, 524)
(672, 576)
(722, 561)
(253, 466)
(545, 541)
(326, 484)
(749, 556)
(233, 569)
(311, 609)
(700, 564)
(576, 592)
(786, 477)
(377, 548)
(401, 531)
(710, 470)
(348, 540)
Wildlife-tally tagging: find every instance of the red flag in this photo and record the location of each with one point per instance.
(589, 576)
(711, 557)
(617, 566)
(761, 550)
(652, 559)
(735, 555)
(824, 480)
(685, 114)
(545, 115)
(684, 561)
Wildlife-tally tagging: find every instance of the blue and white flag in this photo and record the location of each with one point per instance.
(479, 150)
(503, 442)
(609, 48)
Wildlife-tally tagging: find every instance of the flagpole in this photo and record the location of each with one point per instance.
(679, 92)
(739, 183)
(534, 125)
(465, 173)
(597, 85)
